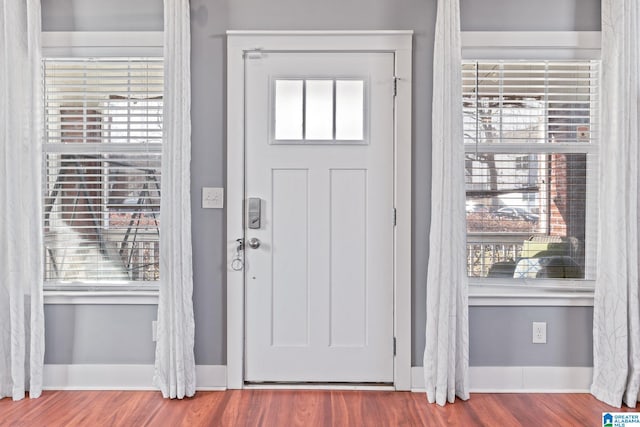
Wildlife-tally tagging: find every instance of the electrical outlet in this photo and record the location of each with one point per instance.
(539, 333)
(212, 197)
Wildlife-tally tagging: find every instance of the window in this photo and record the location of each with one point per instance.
(522, 162)
(530, 137)
(319, 111)
(102, 161)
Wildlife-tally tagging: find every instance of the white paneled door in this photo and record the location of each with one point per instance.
(319, 224)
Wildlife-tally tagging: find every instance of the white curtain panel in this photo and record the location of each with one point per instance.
(446, 355)
(175, 362)
(21, 271)
(616, 322)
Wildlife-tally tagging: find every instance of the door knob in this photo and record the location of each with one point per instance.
(254, 243)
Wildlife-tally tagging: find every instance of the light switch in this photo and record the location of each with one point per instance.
(212, 198)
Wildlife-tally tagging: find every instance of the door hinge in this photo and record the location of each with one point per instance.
(395, 86)
(253, 54)
(395, 217)
(394, 346)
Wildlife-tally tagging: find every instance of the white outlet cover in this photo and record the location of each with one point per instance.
(539, 333)
(212, 197)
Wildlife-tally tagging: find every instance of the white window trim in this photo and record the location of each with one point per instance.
(530, 45)
(496, 294)
(398, 42)
(69, 44)
(123, 297)
(561, 45)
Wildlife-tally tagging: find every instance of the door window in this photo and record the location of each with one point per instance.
(319, 111)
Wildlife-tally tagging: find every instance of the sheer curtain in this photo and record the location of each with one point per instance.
(616, 321)
(21, 271)
(446, 354)
(175, 363)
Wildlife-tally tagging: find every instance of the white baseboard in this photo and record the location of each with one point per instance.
(123, 377)
(520, 379)
(482, 379)
(211, 377)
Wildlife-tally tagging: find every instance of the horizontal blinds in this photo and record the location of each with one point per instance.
(102, 163)
(104, 100)
(530, 130)
(530, 102)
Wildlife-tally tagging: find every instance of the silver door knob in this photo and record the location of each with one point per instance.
(254, 243)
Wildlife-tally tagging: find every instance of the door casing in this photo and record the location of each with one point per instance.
(400, 44)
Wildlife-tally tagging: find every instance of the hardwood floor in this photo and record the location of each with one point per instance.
(299, 408)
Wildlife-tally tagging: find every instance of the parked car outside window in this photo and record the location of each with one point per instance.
(515, 212)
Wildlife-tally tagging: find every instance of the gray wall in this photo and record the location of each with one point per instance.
(524, 15)
(96, 15)
(499, 335)
(87, 334)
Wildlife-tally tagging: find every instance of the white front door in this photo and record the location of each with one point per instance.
(320, 220)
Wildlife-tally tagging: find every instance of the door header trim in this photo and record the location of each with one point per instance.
(315, 33)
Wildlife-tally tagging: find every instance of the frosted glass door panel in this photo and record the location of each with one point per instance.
(349, 110)
(319, 110)
(288, 120)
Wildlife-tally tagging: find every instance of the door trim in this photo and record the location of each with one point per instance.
(400, 44)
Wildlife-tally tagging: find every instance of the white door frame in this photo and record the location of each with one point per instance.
(400, 44)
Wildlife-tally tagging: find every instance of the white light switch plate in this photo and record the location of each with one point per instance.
(212, 198)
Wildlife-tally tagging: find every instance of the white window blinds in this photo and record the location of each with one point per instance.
(102, 160)
(530, 135)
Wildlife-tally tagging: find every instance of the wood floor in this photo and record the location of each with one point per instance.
(299, 408)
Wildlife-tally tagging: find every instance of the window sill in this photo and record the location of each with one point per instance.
(481, 294)
(119, 297)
